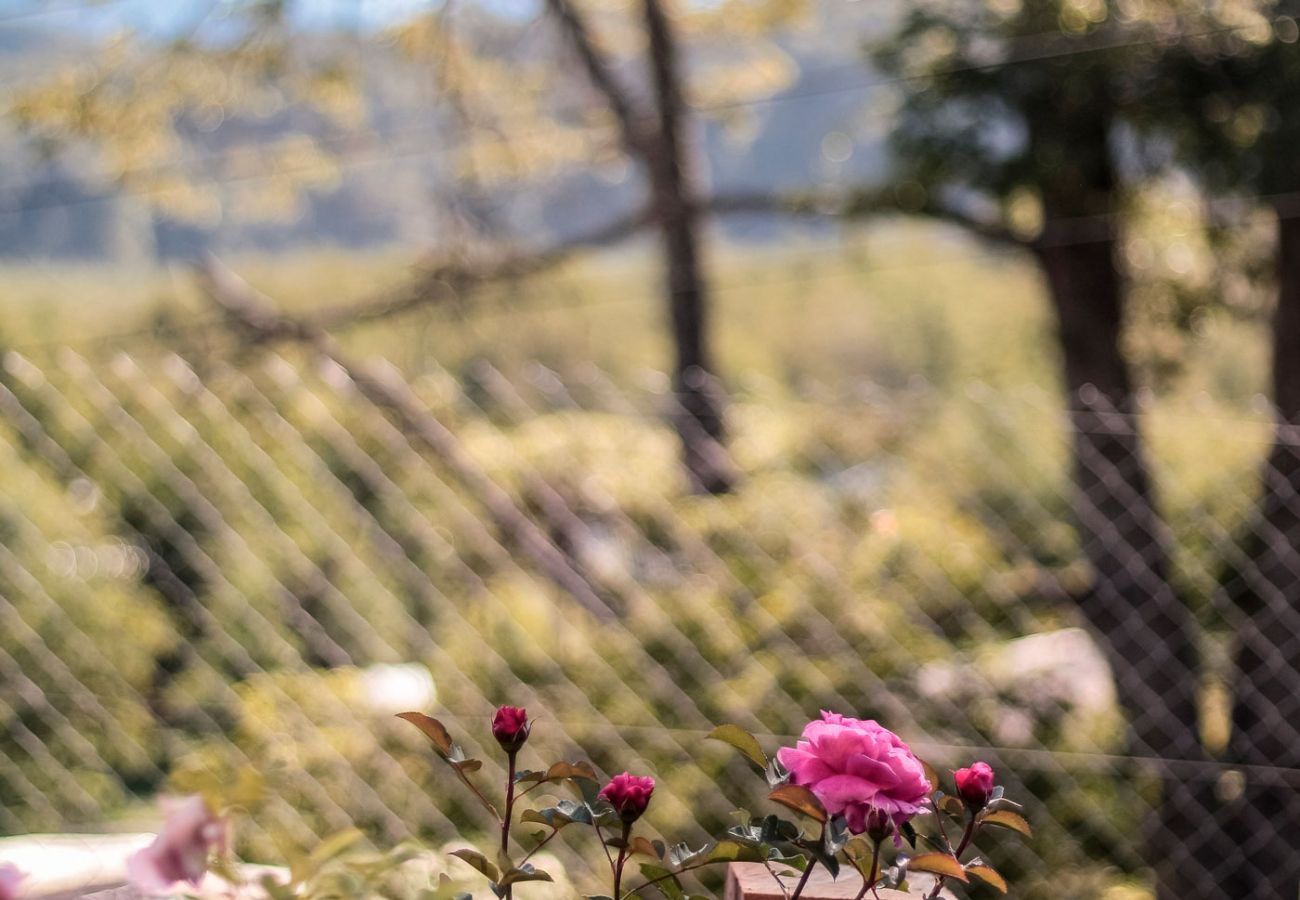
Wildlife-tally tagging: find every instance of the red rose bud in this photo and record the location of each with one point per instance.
(629, 795)
(510, 727)
(975, 784)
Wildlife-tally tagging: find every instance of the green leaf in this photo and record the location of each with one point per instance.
(937, 864)
(334, 845)
(988, 875)
(727, 851)
(478, 862)
(275, 890)
(857, 848)
(668, 885)
(434, 730)
(800, 799)
(743, 741)
(1005, 818)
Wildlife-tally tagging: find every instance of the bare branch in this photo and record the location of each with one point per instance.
(451, 281)
(447, 282)
(863, 204)
(637, 141)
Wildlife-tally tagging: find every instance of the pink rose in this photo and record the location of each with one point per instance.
(10, 876)
(629, 795)
(189, 834)
(856, 768)
(510, 727)
(975, 784)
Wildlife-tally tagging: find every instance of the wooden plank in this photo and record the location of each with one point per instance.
(753, 881)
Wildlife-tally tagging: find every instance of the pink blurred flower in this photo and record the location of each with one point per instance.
(510, 727)
(975, 784)
(10, 877)
(189, 834)
(629, 795)
(856, 768)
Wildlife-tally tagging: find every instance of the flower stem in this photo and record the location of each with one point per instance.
(798, 888)
(509, 816)
(961, 848)
(622, 858)
(870, 883)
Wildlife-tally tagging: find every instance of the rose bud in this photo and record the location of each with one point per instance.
(510, 727)
(629, 795)
(975, 784)
(878, 825)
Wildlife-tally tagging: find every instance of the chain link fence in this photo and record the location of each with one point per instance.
(230, 571)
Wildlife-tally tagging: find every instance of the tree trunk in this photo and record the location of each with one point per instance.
(1146, 631)
(698, 411)
(1266, 676)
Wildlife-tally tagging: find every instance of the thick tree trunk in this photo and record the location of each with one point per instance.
(1266, 677)
(698, 412)
(1146, 631)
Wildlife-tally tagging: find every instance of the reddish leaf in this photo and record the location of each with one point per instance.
(988, 875)
(1007, 819)
(937, 864)
(434, 730)
(801, 800)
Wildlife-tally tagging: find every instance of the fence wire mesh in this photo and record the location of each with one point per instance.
(234, 572)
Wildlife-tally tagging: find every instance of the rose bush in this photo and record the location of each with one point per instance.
(852, 783)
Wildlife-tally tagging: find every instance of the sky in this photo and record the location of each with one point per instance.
(170, 17)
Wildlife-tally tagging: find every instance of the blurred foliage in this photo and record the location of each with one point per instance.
(1167, 119)
(234, 118)
(153, 111)
(219, 546)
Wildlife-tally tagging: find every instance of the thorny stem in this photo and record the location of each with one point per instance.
(798, 888)
(961, 848)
